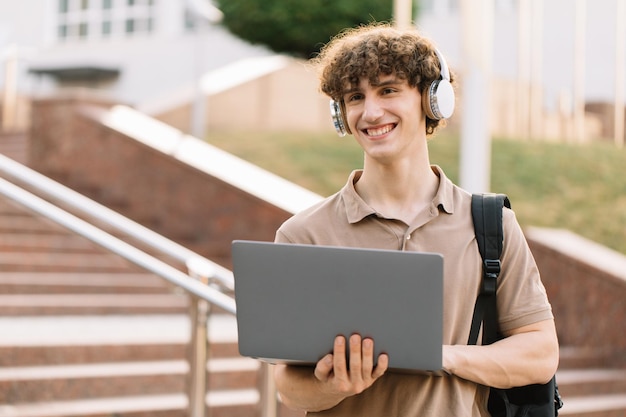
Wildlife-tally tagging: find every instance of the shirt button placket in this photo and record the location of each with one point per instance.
(407, 237)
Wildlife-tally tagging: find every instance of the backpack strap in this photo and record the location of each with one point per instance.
(487, 217)
(531, 399)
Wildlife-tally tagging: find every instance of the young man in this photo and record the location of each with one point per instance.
(378, 75)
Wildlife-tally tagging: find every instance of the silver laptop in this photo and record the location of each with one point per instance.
(293, 300)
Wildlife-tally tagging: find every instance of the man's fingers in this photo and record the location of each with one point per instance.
(368, 358)
(339, 358)
(356, 358)
(381, 366)
(324, 368)
(333, 368)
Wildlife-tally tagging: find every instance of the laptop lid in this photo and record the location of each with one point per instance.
(293, 300)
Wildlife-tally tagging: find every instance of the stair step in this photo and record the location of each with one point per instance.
(579, 382)
(16, 152)
(86, 339)
(81, 282)
(25, 222)
(38, 304)
(11, 207)
(108, 330)
(613, 405)
(222, 404)
(33, 355)
(66, 382)
(14, 145)
(575, 357)
(36, 242)
(63, 261)
(72, 382)
(38, 340)
(92, 370)
(13, 148)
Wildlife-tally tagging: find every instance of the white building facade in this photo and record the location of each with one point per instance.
(560, 53)
(134, 50)
(565, 53)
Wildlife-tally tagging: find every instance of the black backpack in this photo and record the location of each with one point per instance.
(538, 400)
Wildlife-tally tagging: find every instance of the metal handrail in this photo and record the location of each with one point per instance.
(203, 271)
(117, 246)
(52, 189)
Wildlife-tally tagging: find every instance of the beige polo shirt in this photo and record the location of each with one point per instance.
(445, 227)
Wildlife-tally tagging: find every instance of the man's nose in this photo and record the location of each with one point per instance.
(372, 109)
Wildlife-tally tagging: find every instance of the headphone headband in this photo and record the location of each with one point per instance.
(445, 72)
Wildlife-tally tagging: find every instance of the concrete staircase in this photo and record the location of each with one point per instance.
(85, 333)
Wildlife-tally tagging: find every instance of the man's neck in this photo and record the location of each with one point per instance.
(399, 191)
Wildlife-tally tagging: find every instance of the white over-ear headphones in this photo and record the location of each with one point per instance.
(437, 100)
(336, 113)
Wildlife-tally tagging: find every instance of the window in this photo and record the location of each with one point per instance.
(130, 26)
(83, 30)
(62, 31)
(106, 28)
(190, 21)
(79, 20)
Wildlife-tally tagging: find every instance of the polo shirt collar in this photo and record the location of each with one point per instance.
(357, 209)
(444, 199)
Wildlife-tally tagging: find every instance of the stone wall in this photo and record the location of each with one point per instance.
(586, 284)
(176, 200)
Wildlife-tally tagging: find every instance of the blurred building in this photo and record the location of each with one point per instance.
(550, 58)
(157, 56)
(152, 54)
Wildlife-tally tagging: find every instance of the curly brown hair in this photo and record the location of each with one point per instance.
(375, 49)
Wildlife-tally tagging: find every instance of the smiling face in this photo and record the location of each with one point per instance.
(385, 117)
(373, 53)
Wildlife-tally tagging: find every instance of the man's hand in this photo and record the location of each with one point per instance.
(355, 377)
(334, 378)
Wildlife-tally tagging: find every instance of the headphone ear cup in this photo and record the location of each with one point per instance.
(336, 113)
(438, 100)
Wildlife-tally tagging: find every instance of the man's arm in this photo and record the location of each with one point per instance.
(527, 355)
(333, 379)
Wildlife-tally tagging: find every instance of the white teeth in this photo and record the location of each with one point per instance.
(380, 131)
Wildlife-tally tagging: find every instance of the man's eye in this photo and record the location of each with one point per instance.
(355, 97)
(389, 90)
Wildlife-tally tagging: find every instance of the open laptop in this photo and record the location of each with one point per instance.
(293, 300)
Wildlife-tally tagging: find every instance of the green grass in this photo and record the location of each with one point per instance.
(581, 188)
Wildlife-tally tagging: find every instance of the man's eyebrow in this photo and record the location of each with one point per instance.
(357, 89)
(391, 81)
(351, 90)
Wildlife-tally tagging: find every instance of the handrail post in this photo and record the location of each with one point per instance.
(269, 400)
(199, 312)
